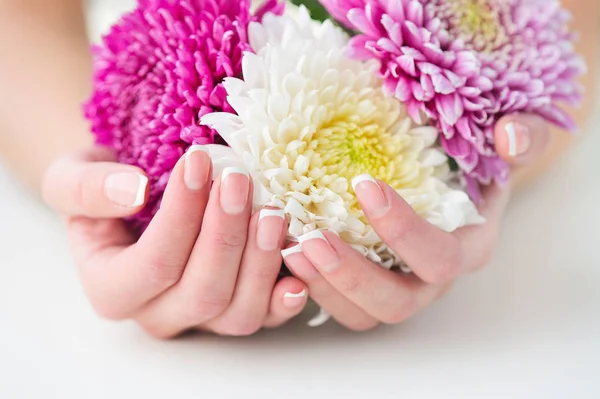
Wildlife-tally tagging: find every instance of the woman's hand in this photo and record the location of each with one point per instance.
(359, 294)
(203, 263)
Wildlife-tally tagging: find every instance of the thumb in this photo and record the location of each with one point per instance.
(521, 138)
(91, 184)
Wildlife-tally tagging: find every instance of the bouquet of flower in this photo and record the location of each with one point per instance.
(406, 91)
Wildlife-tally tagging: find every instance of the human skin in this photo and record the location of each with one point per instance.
(43, 139)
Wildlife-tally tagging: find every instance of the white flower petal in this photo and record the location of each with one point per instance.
(311, 119)
(223, 157)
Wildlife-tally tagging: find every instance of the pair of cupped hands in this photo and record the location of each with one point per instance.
(207, 263)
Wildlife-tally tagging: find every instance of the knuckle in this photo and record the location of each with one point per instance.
(107, 311)
(405, 310)
(398, 230)
(242, 328)
(229, 241)
(157, 331)
(363, 325)
(205, 308)
(351, 283)
(443, 272)
(263, 271)
(445, 269)
(163, 274)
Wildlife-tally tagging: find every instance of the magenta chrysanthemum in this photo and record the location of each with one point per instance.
(466, 63)
(159, 70)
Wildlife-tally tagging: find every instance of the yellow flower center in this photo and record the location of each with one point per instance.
(351, 145)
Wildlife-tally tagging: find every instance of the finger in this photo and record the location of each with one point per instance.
(434, 255)
(387, 296)
(91, 184)
(323, 293)
(261, 264)
(206, 288)
(478, 242)
(288, 300)
(521, 138)
(122, 279)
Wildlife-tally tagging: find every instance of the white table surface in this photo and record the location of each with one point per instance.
(527, 327)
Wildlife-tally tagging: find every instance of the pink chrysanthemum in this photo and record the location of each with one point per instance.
(158, 72)
(466, 63)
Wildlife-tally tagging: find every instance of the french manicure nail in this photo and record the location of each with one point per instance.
(196, 167)
(270, 229)
(235, 187)
(296, 249)
(292, 300)
(519, 139)
(319, 251)
(371, 196)
(127, 189)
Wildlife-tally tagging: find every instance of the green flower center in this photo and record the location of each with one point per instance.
(475, 21)
(348, 149)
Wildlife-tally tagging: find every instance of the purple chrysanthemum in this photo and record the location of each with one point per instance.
(159, 70)
(466, 63)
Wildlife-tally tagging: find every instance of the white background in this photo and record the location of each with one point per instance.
(527, 327)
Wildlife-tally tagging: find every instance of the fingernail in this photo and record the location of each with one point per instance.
(519, 139)
(292, 300)
(405, 269)
(126, 189)
(270, 228)
(196, 167)
(235, 186)
(296, 249)
(300, 266)
(318, 249)
(370, 195)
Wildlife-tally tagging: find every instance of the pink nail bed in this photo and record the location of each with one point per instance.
(270, 229)
(319, 251)
(235, 187)
(371, 196)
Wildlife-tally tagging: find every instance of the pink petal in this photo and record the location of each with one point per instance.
(442, 84)
(466, 64)
(414, 12)
(407, 63)
(414, 111)
(402, 88)
(393, 29)
(357, 48)
(362, 23)
(450, 108)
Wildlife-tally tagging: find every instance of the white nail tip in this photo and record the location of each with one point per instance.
(291, 251)
(265, 213)
(301, 294)
(315, 234)
(320, 319)
(405, 269)
(362, 178)
(233, 171)
(511, 134)
(196, 148)
(141, 193)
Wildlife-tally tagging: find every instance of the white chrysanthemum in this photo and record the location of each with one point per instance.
(310, 119)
